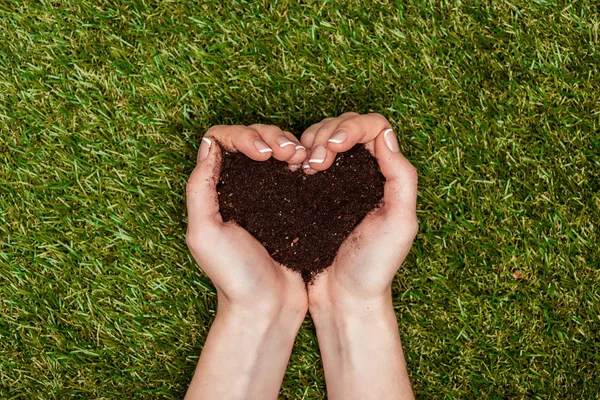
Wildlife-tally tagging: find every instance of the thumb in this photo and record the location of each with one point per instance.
(400, 190)
(201, 189)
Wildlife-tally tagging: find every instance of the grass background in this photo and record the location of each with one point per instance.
(103, 103)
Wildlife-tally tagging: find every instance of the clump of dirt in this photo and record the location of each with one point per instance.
(300, 219)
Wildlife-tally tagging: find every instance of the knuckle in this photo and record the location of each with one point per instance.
(379, 117)
(190, 187)
(326, 125)
(258, 127)
(408, 224)
(405, 225)
(214, 131)
(413, 175)
(313, 128)
(193, 180)
(221, 134)
(266, 130)
(348, 124)
(409, 173)
(199, 239)
(192, 241)
(412, 172)
(306, 138)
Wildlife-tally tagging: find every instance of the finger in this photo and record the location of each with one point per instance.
(283, 148)
(308, 135)
(326, 130)
(243, 139)
(201, 189)
(307, 139)
(305, 164)
(400, 189)
(358, 129)
(301, 152)
(323, 156)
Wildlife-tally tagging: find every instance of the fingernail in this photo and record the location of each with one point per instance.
(299, 146)
(338, 137)
(204, 149)
(262, 147)
(318, 155)
(305, 164)
(391, 140)
(282, 141)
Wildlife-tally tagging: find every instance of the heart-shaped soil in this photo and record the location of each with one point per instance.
(300, 219)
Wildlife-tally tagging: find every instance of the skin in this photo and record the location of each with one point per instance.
(351, 302)
(261, 304)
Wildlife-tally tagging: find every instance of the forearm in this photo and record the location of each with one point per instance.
(245, 354)
(361, 351)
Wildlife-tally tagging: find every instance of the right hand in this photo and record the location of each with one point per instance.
(243, 272)
(261, 304)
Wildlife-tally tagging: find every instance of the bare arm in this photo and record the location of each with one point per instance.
(260, 304)
(361, 350)
(245, 354)
(351, 301)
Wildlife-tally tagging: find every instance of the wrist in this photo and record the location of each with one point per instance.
(265, 314)
(331, 298)
(353, 313)
(282, 299)
(345, 316)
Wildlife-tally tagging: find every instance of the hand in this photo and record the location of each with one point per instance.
(261, 304)
(368, 260)
(350, 301)
(241, 269)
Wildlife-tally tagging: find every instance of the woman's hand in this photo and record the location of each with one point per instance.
(241, 269)
(364, 268)
(261, 304)
(350, 301)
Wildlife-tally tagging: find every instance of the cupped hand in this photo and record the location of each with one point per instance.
(368, 259)
(241, 269)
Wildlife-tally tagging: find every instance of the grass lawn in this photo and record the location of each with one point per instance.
(103, 103)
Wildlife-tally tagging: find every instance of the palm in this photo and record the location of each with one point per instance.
(250, 260)
(368, 259)
(244, 267)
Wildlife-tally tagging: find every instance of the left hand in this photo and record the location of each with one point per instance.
(368, 259)
(351, 301)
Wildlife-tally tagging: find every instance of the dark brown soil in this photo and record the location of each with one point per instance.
(300, 219)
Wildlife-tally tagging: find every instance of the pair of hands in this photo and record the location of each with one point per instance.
(242, 270)
(262, 304)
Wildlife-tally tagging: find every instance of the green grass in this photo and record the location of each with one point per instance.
(102, 105)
